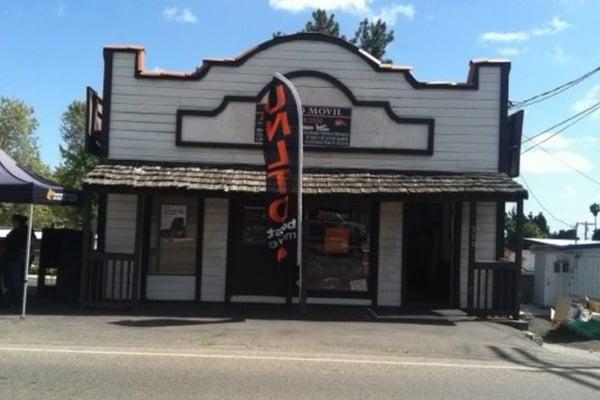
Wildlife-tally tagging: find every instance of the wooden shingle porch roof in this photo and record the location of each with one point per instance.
(249, 179)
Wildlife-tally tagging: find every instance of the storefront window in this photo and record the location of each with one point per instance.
(173, 235)
(337, 248)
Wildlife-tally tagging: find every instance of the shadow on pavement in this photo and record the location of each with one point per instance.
(237, 312)
(582, 375)
(165, 322)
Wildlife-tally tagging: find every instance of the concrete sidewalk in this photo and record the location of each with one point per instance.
(334, 330)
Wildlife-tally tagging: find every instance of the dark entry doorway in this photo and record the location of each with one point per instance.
(430, 254)
(252, 269)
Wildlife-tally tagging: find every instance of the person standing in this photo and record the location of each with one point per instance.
(15, 250)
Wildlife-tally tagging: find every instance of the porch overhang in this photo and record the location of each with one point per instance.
(147, 177)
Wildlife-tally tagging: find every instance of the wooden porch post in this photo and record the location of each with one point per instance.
(518, 257)
(472, 240)
(85, 246)
(139, 229)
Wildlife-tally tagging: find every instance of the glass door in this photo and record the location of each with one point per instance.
(173, 248)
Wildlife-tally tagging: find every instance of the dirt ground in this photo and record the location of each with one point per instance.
(541, 326)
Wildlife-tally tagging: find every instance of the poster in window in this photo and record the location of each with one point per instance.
(337, 240)
(173, 219)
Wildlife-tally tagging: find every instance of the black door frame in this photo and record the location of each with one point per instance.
(145, 250)
(456, 229)
(373, 206)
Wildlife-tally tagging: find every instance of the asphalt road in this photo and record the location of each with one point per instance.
(39, 372)
(345, 354)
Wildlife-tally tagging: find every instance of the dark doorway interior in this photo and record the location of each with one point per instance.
(429, 254)
(252, 268)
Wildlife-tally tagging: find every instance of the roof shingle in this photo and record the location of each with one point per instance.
(322, 181)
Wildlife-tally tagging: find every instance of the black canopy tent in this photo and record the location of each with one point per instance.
(18, 184)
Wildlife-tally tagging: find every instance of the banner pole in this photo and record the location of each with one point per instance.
(26, 266)
(299, 225)
(302, 293)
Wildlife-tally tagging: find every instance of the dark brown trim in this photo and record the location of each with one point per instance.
(404, 261)
(374, 210)
(472, 82)
(85, 247)
(471, 247)
(146, 247)
(518, 256)
(457, 231)
(139, 229)
(230, 249)
(430, 122)
(101, 223)
(503, 131)
(106, 102)
(199, 247)
(500, 220)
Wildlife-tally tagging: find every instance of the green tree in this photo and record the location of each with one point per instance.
(565, 234)
(596, 235)
(541, 222)
(18, 139)
(373, 37)
(533, 227)
(76, 162)
(595, 209)
(323, 23)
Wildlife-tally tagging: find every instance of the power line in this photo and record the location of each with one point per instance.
(581, 115)
(542, 205)
(590, 178)
(562, 122)
(553, 92)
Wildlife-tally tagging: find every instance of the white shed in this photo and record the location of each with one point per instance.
(565, 267)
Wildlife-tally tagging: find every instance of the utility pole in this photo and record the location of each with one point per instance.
(585, 225)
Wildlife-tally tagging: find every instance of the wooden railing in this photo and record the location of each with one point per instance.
(111, 279)
(494, 289)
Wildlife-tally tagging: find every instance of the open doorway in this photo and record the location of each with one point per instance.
(430, 254)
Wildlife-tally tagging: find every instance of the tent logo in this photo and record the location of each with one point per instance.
(51, 195)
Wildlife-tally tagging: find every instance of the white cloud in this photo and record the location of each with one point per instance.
(559, 56)
(591, 97)
(540, 162)
(352, 6)
(550, 142)
(505, 37)
(390, 14)
(174, 14)
(509, 51)
(553, 27)
(560, 142)
(563, 148)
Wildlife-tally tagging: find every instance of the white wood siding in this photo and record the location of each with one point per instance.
(485, 244)
(143, 110)
(214, 249)
(389, 279)
(121, 213)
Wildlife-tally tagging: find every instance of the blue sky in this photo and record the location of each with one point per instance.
(51, 50)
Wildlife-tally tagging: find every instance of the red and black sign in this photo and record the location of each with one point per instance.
(280, 149)
(324, 126)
